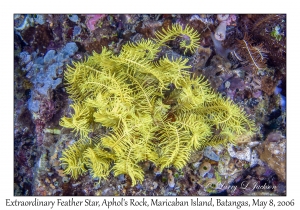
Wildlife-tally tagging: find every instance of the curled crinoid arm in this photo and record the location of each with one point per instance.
(98, 165)
(79, 121)
(145, 48)
(174, 145)
(190, 37)
(72, 159)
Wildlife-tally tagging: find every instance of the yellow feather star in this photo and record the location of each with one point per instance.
(154, 109)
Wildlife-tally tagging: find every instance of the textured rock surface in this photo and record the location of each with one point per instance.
(274, 155)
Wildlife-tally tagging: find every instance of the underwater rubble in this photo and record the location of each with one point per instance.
(242, 56)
